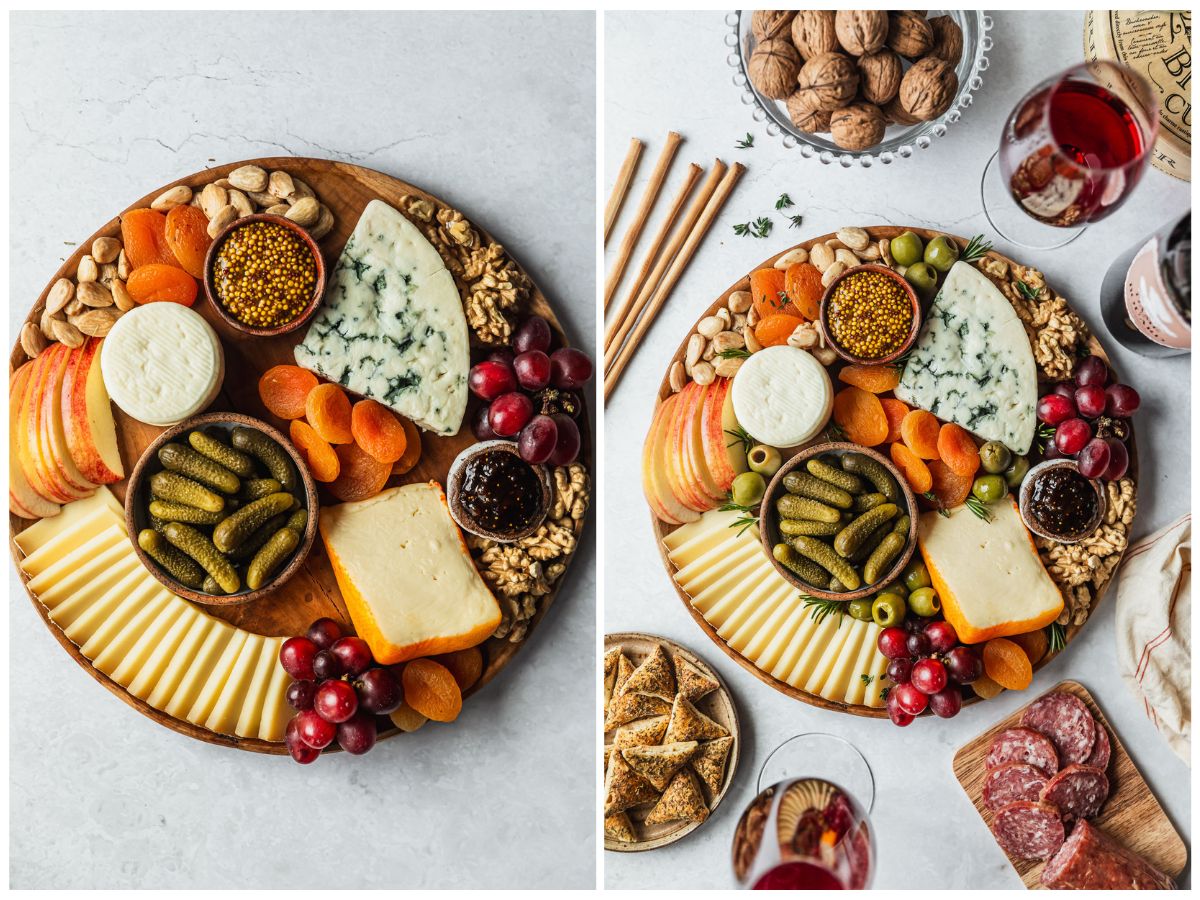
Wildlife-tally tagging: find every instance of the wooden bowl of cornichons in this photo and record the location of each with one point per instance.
(838, 521)
(221, 509)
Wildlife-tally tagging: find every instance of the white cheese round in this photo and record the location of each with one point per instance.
(162, 363)
(782, 396)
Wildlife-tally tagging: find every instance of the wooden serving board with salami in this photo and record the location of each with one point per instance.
(1027, 773)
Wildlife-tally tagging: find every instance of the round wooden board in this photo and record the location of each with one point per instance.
(312, 592)
(718, 706)
(662, 529)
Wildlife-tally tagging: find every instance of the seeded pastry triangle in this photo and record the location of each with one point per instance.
(610, 674)
(681, 801)
(658, 765)
(693, 684)
(624, 670)
(642, 733)
(620, 828)
(628, 707)
(653, 677)
(624, 787)
(709, 762)
(689, 724)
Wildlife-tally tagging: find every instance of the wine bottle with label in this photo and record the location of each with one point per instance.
(1146, 297)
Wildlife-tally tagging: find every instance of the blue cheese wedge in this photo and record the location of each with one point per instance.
(391, 326)
(973, 364)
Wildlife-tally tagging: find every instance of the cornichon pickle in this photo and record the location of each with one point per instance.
(170, 511)
(836, 586)
(239, 526)
(198, 467)
(269, 453)
(201, 549)
(851, 537)
(220, 452)
(298, 521)
(835, 476)
(808, 571)
(257, 488)
(901, 526)
(874, 472)
(808, 526)
(175, 487)
(210, 586)
(883, 555)
(789, 506)
(278, 548)
(822, 554)
(252, 544)
(863, 502)
(178, 566)
(806, 485)
(867, 547)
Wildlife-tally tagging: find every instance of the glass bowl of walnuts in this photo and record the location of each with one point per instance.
(859, 86)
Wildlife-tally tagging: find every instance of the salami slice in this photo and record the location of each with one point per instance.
(1102, 749)
(1028, 830)
(1023, 745)
(1090, 860)
(1078, 791)
(1010, 782)
(1067, 722)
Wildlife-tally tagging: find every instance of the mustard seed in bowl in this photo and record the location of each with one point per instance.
(869, 315)
(264, 274)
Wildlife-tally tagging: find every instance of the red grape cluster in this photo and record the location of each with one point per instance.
(1089, 417)
(927, 665)
(529, 396)
(338, 692)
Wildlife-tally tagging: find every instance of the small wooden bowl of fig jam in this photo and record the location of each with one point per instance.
(1059, 503)
(495, 494)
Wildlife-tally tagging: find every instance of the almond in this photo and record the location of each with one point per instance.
(241, 203)
(121, 297)
(95, 322)
(324, 224)
(67, 333)
(60, 295)
(33, 341)
(87, 270)
(93, 294)
(122, 265)
(212, 199)
(280, 185)
(105, 249)
(249, 178)
(180, 195)
(224, 216)
(304, 212)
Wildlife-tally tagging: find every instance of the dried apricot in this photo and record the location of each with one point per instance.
(318, 454)
(412, 449)
(1034, 643)
(430, 689)
(407, 719)
(144, 237)
(157, 283)
(768, 293)
(327, 409)
(361, 475)
(1006, 664)
(378, 431)
(915, 472)
(949, 490)
(986, 688)
(187, 237)
(805, 290)
(465, 665)
(776, 329)
(284, 389)
(895, 410)
(920, 431)
(860, 416)
(957, 449)
(876, 379)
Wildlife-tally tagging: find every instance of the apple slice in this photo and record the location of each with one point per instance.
(656, 464)
(724, 452)
(52, 421)
(87, 418)
(24, 500)
(40, 420)
(40, 475)
(684, 481)
(695, 446)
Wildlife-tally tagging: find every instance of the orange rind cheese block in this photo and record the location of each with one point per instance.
(988, 575)
(405, 573)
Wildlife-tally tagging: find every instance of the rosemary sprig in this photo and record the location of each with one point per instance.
(743, 522)
(740, 436)
(1057, 636)
(933, 498)
(976, 248)
(734, 353)
(796, 221)
(1045, 434)
(784, 202)
(977, 506)
(747, 142)
(1029, 293)
(820, 609)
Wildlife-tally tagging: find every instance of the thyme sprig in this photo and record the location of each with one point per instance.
(796, 221)
(759, 228)
(784, 202)
(1029, 293)
(747, 142)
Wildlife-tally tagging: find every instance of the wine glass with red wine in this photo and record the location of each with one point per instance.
(1071, 151)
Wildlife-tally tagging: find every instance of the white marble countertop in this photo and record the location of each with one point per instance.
(668, 71)
(492, 113)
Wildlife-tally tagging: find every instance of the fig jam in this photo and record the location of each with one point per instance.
(1063, 502)
(500, 492)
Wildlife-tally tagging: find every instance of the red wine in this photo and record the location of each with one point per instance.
(798, 876)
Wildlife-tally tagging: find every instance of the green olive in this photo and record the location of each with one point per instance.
(994, 457)
(896, 587)
(989, 488)
(1015, 473)
(748, 489)
(922, 277)
(916, 575)
(924, 602)
(764, 460)
(906, 249)
(941, 253)
(888, 610)
(861, 610)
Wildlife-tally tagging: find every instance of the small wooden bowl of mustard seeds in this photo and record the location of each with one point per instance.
(264, 275)
(871, 315)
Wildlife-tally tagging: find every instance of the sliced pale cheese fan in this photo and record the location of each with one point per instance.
(988, 574)
(162, 649)
(782, 396)
(733, 584)
(408, 580)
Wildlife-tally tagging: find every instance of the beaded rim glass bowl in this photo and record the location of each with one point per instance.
(899, 140)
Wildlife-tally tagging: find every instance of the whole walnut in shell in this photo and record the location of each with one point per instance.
(896, 114)
(766, 24)
(828, 81)
(857, 126)
(947, 39)
(805, 117)
(813, 32)
(928, 88)
(861, 31)
(879, 75)
(773, 68)
(909, 34)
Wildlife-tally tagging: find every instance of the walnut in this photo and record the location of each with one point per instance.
(828, 81)
(571, 486)
(773, 68)
(500, 288)
(813, 32)
(417, 207)
(858, 126)
(909, 34)
(804, 116)
(947, 39)
(766, 24)
(928, 88)
(896, 114)
(879, 75)
(861, 31)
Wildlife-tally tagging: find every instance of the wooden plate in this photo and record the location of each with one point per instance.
(1131, 814)
(312, 592)
(718, 706)
(661, 529)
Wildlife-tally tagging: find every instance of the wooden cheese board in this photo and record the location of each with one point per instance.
(662, 529)
(718, 706)
(1132, 814)
(313, 592)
